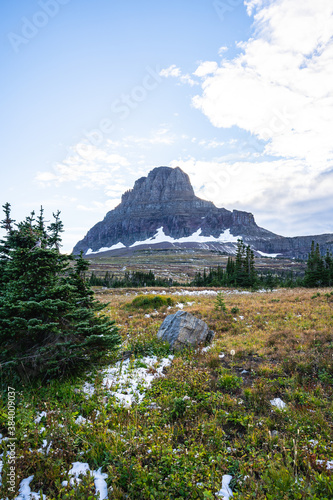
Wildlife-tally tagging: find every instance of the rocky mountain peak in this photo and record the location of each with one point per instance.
(163, 207)
(163, 184)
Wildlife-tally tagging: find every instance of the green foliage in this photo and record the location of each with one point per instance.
(234, 310)
(49, 320)
(149, 346)
(229, 382)
(319, 271)
(282, 484)
(178, 408)
(219, 303)
(151, 302)
(131, 279)
(239, 272)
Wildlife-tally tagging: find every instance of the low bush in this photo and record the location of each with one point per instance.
(229, 382)
(151, 302)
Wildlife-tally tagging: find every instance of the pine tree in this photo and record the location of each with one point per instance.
(328, 269)
(230, 269)
(6, 224)
(245, 274)
(315, 274)
(48, 321)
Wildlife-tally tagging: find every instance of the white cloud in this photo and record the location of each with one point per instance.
(170, 71)
(206, 68)
(251, 5)
(222, 50)
(211, 144)
(187, 79)
(99, 207)
(157, 137)
(46, 176)
(279, 88)
(86, 165)
(175, 72)
(282, 191)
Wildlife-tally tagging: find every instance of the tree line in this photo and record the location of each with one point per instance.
(240, 271)
(131, 279)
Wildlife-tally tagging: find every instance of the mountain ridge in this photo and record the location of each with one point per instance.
(165, 201)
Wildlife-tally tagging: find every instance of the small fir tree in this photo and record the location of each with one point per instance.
(48, 316)
(219, 303)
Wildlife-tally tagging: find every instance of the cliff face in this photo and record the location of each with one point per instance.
(165, 199)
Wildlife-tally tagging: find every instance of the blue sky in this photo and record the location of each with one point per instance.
(96, 94)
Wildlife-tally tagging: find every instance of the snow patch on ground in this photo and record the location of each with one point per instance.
(40, 416)
(81, 468)
(225, 492)
(128, 380)
(88, 389)
(278, 403)
(329, 463)
(194, 293)
(80, 420)
(25, 492)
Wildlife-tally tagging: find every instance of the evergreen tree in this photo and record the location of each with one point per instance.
(317, 273)
(239, 272)
(48, 321)
(230, 269)
(245, 274)
(328, 272)
(6, 224)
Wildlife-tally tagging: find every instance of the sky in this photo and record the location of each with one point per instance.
(239, 94)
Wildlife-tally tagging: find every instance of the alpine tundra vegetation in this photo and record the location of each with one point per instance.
(248, 416)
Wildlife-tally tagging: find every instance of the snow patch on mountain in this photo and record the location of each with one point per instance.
(263, 254)
(161, 237)
(197, 237)
(105, 249)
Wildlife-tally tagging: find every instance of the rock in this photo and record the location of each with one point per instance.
(184, 330)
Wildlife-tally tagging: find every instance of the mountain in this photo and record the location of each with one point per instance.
(162, 211)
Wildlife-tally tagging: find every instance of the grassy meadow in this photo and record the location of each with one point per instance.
(255, 405)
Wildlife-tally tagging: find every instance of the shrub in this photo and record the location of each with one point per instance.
(149, 346)
(178, 408)
(151, 302)
(229, 382)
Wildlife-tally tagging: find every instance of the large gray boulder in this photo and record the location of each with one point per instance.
(184, 330)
